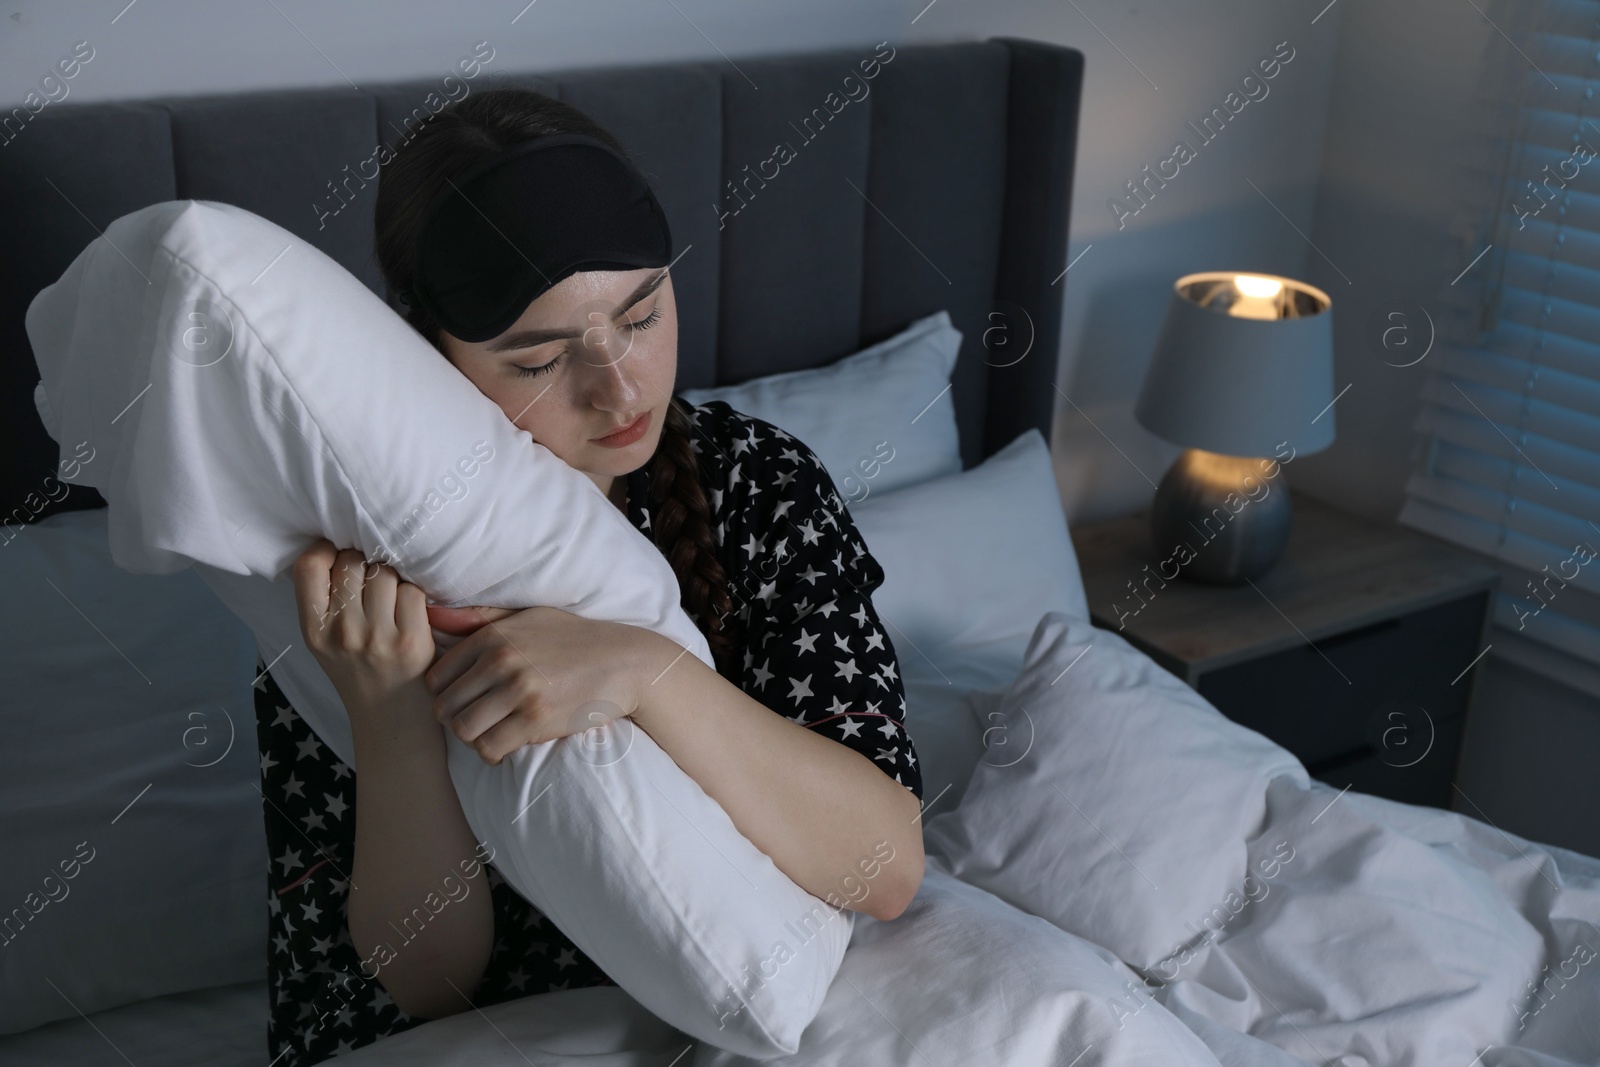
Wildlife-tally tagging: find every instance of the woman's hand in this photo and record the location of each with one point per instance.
(536, 675)
(367, 628)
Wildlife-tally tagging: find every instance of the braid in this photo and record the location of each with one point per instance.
(683, 533)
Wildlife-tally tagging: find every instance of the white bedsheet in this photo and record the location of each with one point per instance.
(1397, 935)
(961, 978)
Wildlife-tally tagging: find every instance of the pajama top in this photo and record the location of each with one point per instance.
(814, 650)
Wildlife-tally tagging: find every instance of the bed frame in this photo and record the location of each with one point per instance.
(942, 182)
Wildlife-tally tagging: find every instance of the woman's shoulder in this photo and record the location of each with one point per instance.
(769, 492)
(728, 438)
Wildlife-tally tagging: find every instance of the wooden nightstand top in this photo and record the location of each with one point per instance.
(1340, 572)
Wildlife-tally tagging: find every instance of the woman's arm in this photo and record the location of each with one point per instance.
(409, 884)
(411, 911)
(830, 819)
(834, 823)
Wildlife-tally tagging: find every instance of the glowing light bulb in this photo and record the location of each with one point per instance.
(1258, 297)
(1250, 285)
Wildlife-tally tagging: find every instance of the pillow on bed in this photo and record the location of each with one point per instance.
(129, 807)
(879, 420)
(1124, 818)
(246, 395)
(971, 562)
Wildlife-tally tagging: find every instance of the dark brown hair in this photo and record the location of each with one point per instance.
(451, 142)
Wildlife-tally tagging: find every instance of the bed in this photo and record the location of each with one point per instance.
(1386, 934)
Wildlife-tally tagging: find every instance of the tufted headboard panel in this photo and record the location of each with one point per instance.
(942, 182)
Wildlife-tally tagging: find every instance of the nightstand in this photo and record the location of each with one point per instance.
(1357, 652)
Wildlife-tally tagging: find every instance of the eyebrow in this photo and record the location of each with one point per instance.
(529, 338)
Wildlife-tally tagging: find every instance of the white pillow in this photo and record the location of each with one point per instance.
(946, 721)
(971, 562)
(879, 419)
(1126, 821)
(247, 395)
(123, 691)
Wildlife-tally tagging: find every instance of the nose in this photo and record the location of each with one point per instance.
(609, 367)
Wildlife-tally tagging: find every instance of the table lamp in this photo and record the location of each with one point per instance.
(1242, 379)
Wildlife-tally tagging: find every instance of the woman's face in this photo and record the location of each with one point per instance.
(589, 357)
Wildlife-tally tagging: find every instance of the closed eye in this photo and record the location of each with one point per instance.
(646, 322)
(545, 368)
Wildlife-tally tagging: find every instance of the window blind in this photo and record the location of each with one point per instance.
(1508, 456)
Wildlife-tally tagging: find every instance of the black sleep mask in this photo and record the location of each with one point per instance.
(524, 219)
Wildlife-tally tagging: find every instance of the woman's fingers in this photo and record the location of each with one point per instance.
(410, 607)
(490, 710)
(504, 738)
(312, 584)
(346, 618)
(464, 674)
(411, 620)
(380, 583)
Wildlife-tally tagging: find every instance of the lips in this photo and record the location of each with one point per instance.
(628, 434)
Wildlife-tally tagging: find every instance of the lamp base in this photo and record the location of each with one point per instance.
(1227, 511)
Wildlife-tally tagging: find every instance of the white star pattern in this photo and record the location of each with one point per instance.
(801, 690)
(761, 675)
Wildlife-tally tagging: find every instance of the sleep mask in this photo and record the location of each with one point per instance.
(519, 222)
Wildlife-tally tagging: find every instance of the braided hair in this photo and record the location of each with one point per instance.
(450, 142)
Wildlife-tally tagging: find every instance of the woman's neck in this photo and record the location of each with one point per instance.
(618, 492)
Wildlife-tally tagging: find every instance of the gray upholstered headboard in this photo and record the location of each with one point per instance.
(946, 185)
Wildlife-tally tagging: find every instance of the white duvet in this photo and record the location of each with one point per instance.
(1394, 935)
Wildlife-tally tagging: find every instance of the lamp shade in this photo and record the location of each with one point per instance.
(1244, 362)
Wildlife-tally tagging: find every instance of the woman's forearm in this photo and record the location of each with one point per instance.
(835, 824)
(419, 907)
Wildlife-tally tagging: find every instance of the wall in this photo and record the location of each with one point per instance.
(185, 47)
(1395, 131)
(1150, 70)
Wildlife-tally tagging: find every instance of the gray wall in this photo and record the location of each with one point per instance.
(1401, 77)
(183, 47)
(1150, 70)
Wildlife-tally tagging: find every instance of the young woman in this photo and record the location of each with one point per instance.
(383, 911)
